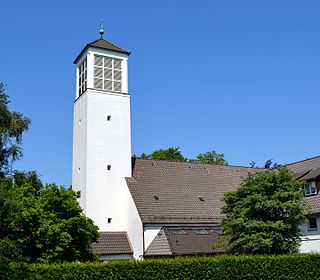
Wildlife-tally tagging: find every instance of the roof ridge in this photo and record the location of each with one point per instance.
(109, 42)
(199, 163)
(295, 162)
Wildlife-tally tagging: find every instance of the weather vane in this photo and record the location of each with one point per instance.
(101, 31)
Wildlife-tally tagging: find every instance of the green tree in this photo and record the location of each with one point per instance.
(263, 214)
(48, 224)
(210, 157)
(172, 154)
(12, 126)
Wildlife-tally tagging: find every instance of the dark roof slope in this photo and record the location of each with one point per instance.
(102, 44)
(175, 192)
(304, 165)
(308, 169)
(184, 241)
(112, 243)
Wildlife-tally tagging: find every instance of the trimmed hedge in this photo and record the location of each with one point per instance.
(302, 266)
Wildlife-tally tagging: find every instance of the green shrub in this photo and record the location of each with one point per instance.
(302, 266)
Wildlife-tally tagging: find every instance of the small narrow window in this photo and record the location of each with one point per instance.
(109, 220)
(109, 167)
(82, 79)
(79, 169)
(201, 231)
(108, 118)
(312, 224)
(178, 232)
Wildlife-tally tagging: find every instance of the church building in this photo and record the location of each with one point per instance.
(147, 208)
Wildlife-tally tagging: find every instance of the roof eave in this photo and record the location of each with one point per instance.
(91, 46)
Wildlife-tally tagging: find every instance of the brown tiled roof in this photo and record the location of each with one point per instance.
(308, 169)
(311, 175)
(112, 243)
(175, 192)
(304, 165)
(184, 241)
(314, 202)
(102, 44)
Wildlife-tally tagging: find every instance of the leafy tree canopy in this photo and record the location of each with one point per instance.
(174, 154)
(263, 214)
(210, 157)
(12, 126)
(43, 223)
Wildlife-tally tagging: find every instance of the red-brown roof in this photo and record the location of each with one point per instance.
(102, 44)
(112, 243)
(176, 192)
(184, 241)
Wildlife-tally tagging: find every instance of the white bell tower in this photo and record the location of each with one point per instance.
(101, 135)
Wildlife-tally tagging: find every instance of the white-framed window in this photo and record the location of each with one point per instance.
(312, 224)
(82, 82)
(310, 188)
(107, 73)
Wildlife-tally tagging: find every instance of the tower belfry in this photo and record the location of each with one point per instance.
(101, 134)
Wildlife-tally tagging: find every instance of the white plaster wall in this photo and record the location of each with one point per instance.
(98, 143)
(79, 149)
(310, 243)
(150, 232)
(310, 238)
(108, 143)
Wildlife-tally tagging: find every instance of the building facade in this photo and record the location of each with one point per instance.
(147, 208)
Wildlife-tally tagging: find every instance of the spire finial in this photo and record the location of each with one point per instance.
(101, 31)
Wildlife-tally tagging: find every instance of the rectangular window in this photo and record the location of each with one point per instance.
(82, 79)
(312, 224)
(107, 73)
(310, 188)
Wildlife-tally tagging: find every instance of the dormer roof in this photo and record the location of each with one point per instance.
(101, 43)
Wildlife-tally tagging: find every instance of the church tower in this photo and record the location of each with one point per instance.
(101, 134)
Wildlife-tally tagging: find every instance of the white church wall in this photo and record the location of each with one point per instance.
(79, 149)
(108, 143)
(150, 232)
(134, 227)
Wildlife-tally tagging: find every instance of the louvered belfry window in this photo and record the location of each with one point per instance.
(107, 73)
(82, 77)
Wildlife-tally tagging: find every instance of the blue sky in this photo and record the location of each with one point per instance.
(238, 77)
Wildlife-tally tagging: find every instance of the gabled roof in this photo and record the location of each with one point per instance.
(112, 243)
(304, 165)
(102, 44)
(184, 241)
(176, 192)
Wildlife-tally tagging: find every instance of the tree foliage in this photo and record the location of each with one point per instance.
(174, 154)
(263, 214)
(211, 158)
(12, 126)
(44, 223)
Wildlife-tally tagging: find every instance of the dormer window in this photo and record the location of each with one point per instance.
(107, 73)
(310, 188)
(82, 82)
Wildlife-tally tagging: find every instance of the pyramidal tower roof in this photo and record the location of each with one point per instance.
(101, 43)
